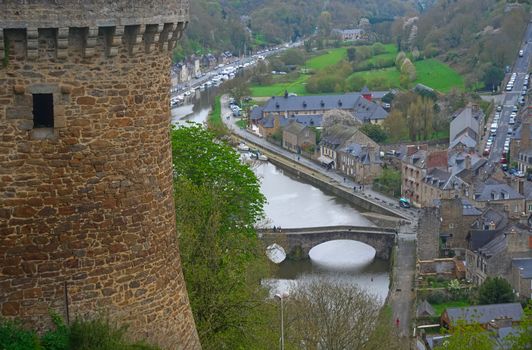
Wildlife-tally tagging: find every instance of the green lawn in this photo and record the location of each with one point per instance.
(391, 53)
(332, 57)
(438, 308)
(431, 72)
(277, 89)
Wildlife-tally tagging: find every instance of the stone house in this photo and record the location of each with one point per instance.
(332, 139)
(456, 216)
(272, 124)
(492, 192)
(491, 251)
(297, 136)
(414, 166)
(355, 34)
(360, 161)
(482, 314)
(521, 279)
(467, 122)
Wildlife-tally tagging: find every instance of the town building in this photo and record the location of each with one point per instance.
(298, 137)
(493, 192)
(510, 314)
(521, 278)
(361, 106)
(467, 124)
(493, 246)
(360, 161)
(355, 34)
(350, 151)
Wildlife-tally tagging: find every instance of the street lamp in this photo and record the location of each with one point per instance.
(281, 297)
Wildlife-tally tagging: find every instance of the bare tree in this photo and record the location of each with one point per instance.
(324, 314)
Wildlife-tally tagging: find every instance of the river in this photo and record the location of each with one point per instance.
(294, 203)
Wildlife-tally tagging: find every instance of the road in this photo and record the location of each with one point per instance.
(510, 98)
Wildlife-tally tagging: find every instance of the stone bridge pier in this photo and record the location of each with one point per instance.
(297, 242)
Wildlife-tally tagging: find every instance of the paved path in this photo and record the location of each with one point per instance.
(340, 179)
(401, 295)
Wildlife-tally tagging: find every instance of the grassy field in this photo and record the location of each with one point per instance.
(277, 89)
(391, 53)
(332, 57)
(438, 308)
(431, 72)
(215, 117)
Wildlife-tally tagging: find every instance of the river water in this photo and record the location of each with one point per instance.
(294, 203)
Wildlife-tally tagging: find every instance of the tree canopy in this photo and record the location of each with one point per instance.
(495, 290)
(218, 200)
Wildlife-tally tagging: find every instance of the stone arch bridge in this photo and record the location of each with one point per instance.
(297, 242)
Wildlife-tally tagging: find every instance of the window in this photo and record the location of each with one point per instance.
(43, 111)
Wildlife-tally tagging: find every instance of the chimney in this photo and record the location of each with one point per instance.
(521, 184)
(468, 162)
(286, 94)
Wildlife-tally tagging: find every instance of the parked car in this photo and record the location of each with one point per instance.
(404, 202)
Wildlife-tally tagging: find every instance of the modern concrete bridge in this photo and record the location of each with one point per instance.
(297, 242)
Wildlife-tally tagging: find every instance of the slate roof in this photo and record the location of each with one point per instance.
(478, 239)
(466, 118)
(425, 309)
(336, 135)
(361, 152)
(363, 109)
(495, 246)
(304, 119)
(485, 313)
(256, 113)
(495, 191)
(457, 161)
(437, 178)
(465, 140)
(467, 208)
(524, 265)
(294, 128)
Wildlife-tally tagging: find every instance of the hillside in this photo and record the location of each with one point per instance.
(477, 37)
(236, 25)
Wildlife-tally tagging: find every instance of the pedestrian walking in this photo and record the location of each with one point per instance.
(397, 322)
(274, 228)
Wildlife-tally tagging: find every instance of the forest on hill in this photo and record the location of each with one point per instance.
(479, 38)
(238, 25)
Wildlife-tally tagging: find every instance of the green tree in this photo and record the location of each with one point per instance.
(395, 126)
(374, 132)
(293, 57)
(493, 76)
(218, 201)
(523, 338)
(351, 54)
(495, 290)
(401, 56)
(464, 336)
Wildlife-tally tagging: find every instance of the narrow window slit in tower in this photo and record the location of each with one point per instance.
(43, 110)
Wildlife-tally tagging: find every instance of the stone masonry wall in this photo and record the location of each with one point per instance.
(87, 218)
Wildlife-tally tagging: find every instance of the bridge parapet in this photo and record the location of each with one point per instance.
(297, 242)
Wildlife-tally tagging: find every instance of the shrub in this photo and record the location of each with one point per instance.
(14, 337)
(437, 297)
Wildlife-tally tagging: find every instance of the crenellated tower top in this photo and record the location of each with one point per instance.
(47, 29)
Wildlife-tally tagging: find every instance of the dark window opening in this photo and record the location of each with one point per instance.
(43, 110)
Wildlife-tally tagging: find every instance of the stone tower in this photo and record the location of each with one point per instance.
(87, 220)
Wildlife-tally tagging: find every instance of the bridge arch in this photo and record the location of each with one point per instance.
(297, 242)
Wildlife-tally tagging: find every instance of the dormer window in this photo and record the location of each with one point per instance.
(322, 103)
(276, 105)
(304, 104)
(340, 103)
